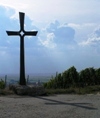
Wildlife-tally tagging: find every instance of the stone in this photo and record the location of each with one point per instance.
(31, 90)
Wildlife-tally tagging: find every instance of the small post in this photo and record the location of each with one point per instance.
(27, 79)
(5, 80)
(56, 74)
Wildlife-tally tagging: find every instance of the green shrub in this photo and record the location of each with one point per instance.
(2, 84)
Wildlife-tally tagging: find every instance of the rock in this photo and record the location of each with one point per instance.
(28, 90)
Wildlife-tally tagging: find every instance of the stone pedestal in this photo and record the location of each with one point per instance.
(31, 90)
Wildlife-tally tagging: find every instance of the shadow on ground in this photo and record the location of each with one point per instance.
(88, 106)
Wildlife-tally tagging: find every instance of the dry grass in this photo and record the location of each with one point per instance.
(6, 91)
(85, 90)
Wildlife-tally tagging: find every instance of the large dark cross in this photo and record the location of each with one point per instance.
(22, 33)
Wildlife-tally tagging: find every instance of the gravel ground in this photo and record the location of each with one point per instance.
(58, 106)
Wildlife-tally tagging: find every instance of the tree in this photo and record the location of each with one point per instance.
(87, 77)
(97, 73)
(2, 84)
(70, 77)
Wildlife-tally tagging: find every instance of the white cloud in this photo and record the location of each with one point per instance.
(91, 41)
(82, 26)
(64, 10)
(49, 41)
(63, 33)
(93, 38)
(82, 31)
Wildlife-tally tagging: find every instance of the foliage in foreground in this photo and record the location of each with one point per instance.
(2, 84)
(73, 79)
(3, 90)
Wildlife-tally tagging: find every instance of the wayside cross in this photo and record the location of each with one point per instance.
(22, 33)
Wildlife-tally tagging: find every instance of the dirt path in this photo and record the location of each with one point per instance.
(59, 106)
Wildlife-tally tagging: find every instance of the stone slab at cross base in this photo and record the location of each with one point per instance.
(28, 90)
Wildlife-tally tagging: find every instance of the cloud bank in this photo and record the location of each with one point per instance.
(56, 47)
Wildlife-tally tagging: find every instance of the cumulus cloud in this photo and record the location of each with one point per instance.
(57, 35)
(49, 41)
(63, 33)
(93, 38)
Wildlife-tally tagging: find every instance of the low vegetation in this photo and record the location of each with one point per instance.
(2, 84)
(71, 81)
(81, 91)
(3, 90)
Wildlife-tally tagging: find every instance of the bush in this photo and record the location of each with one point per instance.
(2, 84)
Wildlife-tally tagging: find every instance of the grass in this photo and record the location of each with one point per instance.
(85, 90)
(6, 91)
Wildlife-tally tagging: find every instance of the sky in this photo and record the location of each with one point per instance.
(68, 35)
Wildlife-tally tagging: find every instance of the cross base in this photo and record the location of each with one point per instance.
(31, 90)
(22, 81)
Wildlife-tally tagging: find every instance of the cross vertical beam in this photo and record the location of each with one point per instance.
(22, 33)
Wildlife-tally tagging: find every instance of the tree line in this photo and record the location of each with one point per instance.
(72, 78)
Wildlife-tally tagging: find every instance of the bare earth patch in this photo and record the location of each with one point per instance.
(58, 106)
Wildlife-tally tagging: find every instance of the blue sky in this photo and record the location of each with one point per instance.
(68, 35)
